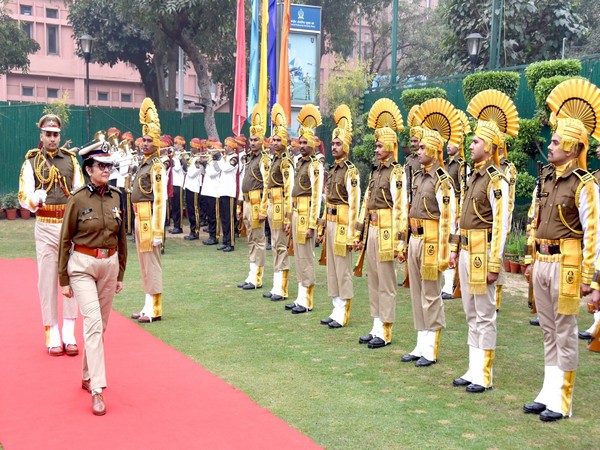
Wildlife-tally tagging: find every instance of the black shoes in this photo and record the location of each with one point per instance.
(210, 241)
(476, 388)
(277, 298)
(221, 247)
(365, 339)
(409, 358)
(377, 342)
(534, 322)
(460, 382)
(191, 237)
(268, 294)
(299, 310)
(175, 231)
(446, 296)
(242, 284)
(326, 321)
(289, 306)
(534, 408)
(333, 324)
(250, 286)
(424, 362)
(268, 246)
(550, 416)
(584, 335)
(228, 249)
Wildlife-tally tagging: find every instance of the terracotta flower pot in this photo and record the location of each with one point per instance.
(11, 214)
(523, 268)
(514, 267)
(25, 213)
(507, 265)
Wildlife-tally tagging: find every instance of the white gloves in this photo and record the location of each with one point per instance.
(39, 196)
(156, 242)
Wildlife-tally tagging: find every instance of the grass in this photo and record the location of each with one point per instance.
(322, 382)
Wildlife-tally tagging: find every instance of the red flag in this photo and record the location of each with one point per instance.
(283, 92)
(239, 91)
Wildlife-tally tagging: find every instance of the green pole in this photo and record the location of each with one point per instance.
(394, 42)
(494, 37)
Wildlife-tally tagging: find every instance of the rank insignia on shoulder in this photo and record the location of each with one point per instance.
(498, 193)
(446, 199)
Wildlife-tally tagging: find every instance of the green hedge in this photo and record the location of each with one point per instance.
(528, 141)
(542, 91)
(547, 69)
(507, 82)
(412, 97)
(525, 185)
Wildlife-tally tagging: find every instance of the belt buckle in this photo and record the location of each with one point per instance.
(102, 253)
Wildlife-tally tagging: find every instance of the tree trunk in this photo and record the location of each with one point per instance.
(172, 60)
(160, 81)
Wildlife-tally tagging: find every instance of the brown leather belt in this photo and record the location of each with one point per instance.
(54, 213)
(100, 253)
(416, 231)
(464, 240)
(548, 249)
(332, 211)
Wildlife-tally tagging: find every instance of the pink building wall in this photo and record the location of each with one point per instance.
(66, 72)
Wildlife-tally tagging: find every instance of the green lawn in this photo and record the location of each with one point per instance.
(336, 391)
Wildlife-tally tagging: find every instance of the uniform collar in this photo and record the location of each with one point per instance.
(482, 167)
(388, 163)
(565, 170)
(92, 188)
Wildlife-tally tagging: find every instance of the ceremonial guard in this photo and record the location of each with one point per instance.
(192, 186)
(228, 166)
(92, 259)
(383, 222)
(416, 133)
(48, 176)
(179, 170)
(306, 207)
(210, 190)
(483, 224)
(457, 168)
(279, 194)
(565, 240)
(342, 204)
(432, 220)
(149, 197)
(130, 163)
(252, 203)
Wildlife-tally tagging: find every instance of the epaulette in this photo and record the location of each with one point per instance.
(68, 152)
(349, 164)
(398, 169)
(114, 188)
(31, 153)
(79, 189)
(493, 172)
(584, 175)
(156, 160)
(441, 174)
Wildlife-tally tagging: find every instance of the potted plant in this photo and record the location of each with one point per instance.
(10, 202)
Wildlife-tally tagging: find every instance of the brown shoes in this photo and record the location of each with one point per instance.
(85, 384)
(148, 319)
(56, 351)
(136, 315)
(98, 405)
(71, 349)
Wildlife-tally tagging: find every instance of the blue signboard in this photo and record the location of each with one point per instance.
(305, 18)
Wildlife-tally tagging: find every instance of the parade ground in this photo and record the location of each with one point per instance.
(227, 368)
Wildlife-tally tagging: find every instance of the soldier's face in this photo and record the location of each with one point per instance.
(452, 150)
(598, 152)
(414, 143)
(50, 139)
(556, 155)
(478, 153)
(337, 148)
(255, 143)
(422, 155)
(381, 154)
(276, 144)
(148, 146)
(305, 150)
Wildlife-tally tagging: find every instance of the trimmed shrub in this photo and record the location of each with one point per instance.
(412, 97)
(507, 82)
(543, 89)
(525, 185)
(547, 69)
(528, 141)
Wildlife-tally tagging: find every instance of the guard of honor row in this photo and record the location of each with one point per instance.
(446, 220)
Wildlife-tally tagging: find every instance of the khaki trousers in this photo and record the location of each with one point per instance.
(479, 309)
(381, 280)
(560, 331)
(93, 282)
(150, 265)
(305, 257)
(427, 304)
(279, 245)
(257, 243)
(47, 236)
(339, 268)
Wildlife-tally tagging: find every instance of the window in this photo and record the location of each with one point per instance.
(27, 91)
(52, 39)
(102, 96)
(26, 10)
(51, 13)
(126, 98)
(52, 93)
(27, 28)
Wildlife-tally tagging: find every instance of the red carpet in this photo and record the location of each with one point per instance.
(42, 404)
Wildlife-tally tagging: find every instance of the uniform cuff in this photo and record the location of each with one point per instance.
(494, 265)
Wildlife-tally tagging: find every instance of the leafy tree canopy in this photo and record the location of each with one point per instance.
(15, 55)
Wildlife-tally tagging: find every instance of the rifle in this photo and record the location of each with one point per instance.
(534, 224)
(406, 282)
(457, 293)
